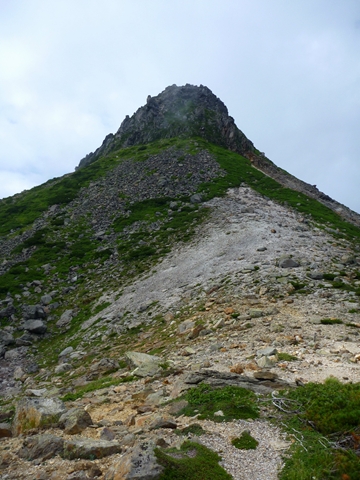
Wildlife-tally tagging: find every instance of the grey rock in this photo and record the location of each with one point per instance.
(266, 362)
(266, 352)
(6, 338)
(13, 354)
(65, 319)
(316, 275)
(18, 373)
(46, 299)
(176, 407)
(35, 326)
(196, 198)
(81, 447)
(348, 260)
(37, 413)
(8, 311)
(185, 327)
(163, 423)
(43, 446)
(287, 262)
(5, 430)
(145, 365)
(107, 434)
(156, 398)
(25, 340)
(63, 367)
(138, 464)
(75, 420)
(66, 351)
(105, 364)
(33, 312)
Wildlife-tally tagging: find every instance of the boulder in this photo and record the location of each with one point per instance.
(81, 447)
(46, 299)
(5, 430)
(34, 412)
(6, 338)
(75, 420)
(43, 446)
(65, 319)
(145, 365)
(33, 312)
(8, 311)
(287, 262)
(35, 326)
(138, 464)
(63, 367)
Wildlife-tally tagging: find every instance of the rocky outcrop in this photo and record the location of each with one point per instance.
(177, 111)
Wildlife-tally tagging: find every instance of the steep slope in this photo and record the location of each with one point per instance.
(168, 241)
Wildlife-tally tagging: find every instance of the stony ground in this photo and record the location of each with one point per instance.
(247, 291)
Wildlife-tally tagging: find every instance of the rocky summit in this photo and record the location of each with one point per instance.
(174, 271)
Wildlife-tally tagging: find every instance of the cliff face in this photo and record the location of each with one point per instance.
(177, 112)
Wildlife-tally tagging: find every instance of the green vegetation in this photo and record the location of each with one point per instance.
(96, 385)
(325, 427)
(286, 357)
(245, 441)
(194, 429)
(331, 321)
(192, 462)
(232, 402)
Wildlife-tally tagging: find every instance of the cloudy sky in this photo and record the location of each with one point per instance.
(288, 71)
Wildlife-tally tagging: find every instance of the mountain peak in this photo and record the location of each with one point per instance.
(184, 111)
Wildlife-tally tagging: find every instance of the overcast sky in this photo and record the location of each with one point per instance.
(288, 71)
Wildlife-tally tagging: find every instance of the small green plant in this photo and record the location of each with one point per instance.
(96, 385)
(232, 402)
(331, 321)
(286, 357)
(192, 462)
(194, 429)
(245, 441)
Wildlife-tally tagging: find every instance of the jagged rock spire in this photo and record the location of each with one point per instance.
(177, 111)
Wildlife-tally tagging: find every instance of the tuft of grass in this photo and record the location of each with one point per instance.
(192, 462)
(245, 441)
(331, 321)
(286, 357)
(194, 429)
(96, 385)
(233, 402)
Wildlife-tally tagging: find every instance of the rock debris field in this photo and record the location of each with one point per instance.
(248, 301)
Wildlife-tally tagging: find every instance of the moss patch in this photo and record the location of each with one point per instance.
(220, 404)
(245, 442)
(192, 462)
